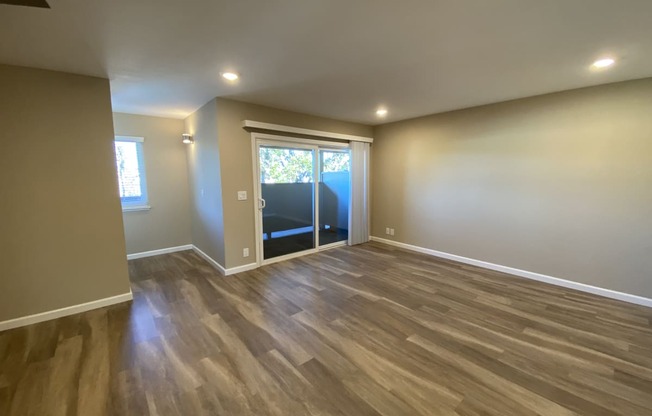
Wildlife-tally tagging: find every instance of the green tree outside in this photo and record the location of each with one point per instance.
(279, 165)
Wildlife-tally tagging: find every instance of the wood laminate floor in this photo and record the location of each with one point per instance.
(366, 330)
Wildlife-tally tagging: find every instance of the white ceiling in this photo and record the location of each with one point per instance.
(335, 58)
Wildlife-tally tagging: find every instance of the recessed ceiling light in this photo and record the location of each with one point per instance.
(604, 63)
(381, 112)
(230, 76)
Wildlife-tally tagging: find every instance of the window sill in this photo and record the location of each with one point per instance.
(136, 208)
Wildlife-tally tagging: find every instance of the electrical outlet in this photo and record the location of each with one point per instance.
(391, 231)
(242, 195)
(387, 231)
(202, 192)
(245, 252)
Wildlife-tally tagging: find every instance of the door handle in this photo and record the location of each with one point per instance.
(261, 204)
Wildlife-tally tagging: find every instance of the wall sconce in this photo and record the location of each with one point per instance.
(187, 138)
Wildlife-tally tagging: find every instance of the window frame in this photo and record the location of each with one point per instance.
(141, 203)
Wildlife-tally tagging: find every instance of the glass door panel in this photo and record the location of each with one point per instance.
(334, 188)
(288, 195)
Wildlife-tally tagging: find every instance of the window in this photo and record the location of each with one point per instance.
(131, 172)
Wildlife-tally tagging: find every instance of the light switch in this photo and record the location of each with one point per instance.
(242, 195)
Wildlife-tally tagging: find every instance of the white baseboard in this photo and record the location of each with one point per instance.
(608, 293)
(209, 259)
(59, 313)
(214, 263)
(240, 269)
(222, 269)
(158, 252)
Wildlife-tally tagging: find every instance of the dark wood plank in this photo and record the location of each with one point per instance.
(365, 330)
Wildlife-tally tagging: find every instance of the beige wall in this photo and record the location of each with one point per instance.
(236, 165)
(220, 165)
(167, 223)
(559, 184)
(207, 221)
(61, 235)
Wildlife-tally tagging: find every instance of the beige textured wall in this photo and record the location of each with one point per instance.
(559, 184)
(207, 221)
(236, 165)
(61, 235)
(167, 224)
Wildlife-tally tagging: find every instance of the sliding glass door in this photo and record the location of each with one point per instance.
(294, 215)
(288, 199)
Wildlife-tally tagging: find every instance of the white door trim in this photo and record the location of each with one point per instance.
(270, 140)
(258, 139)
